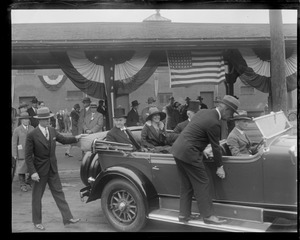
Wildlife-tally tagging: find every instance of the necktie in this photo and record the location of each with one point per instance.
(46, 133)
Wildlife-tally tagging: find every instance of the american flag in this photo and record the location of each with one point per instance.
(189, 67)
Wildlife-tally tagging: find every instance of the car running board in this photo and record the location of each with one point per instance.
(232, 225)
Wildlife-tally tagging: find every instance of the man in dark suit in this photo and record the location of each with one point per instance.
(119, 133)
(202, 105)
(42, 167)
(32, 112)
(83, 112)
(133, 118)
(188, 150)
(192, 109)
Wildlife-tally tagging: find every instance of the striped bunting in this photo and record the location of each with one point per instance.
(196, 66)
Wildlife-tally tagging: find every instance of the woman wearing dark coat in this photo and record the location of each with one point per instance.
(154, 134)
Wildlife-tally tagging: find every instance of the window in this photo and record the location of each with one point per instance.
(163, 98)
(74, 95)
(247, 90)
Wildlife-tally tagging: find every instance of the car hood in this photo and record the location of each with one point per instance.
(283, 144)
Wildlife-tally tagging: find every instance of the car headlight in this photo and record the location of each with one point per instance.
(293, 154)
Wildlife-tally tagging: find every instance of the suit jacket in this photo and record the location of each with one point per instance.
(204, 128)
(117, 135)
(33, 121)
(40, 153)
(94, 124)
(133, 118)
(180, 126)
(82, 115)
(18, 141)
(238, 143)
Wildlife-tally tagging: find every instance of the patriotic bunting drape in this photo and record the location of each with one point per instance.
(53, 82)
(188, 67)
(256, 72)
(91, 78)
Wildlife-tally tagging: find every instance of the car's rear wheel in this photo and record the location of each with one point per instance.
(123, 206)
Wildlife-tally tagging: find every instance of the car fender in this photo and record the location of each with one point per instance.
(131, 174)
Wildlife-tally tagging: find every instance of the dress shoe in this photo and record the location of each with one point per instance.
(191, 217)
(71, 221)
(214, 220)
(68, 155)
(39, 226)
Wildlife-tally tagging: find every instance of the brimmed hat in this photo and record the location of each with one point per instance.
(34, 100)
(154, 110)
(187, 99)
(24, 115)
(171, 98)
(193, 106)
(43, 113)
(22, 105)
(119, 113)
(86, 99)
(135, 103)
(199, 98)
(150, 100)
(76, 106)
(93, 105)
(231, 102)
(241, 115)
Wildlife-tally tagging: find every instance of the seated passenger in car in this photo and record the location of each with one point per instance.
(119, 133)
(154, 133)
(238, 141)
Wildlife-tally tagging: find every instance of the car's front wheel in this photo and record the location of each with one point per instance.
(123, 206)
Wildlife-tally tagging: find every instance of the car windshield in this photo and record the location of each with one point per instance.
(272, 124)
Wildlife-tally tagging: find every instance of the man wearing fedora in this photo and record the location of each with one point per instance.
(133, 118)
(93, 121)
(119, 133)
(202, 105)
(32, 111)
(192, 109)
(18, 149)
(83, 112)
(42, 166)
(238, 141)
(151, 103)
(183, 110)
(188, 150)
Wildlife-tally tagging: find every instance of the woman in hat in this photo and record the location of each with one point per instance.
(133, 118)
(18, 149)
(154, 133)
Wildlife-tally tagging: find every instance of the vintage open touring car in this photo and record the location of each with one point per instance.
(258, 194)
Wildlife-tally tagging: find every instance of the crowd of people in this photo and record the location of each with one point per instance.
(182, 130)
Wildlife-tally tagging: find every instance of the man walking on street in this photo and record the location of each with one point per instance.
(188, 150)
(42, 166)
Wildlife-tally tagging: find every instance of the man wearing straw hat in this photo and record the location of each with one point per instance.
(238, 141)
(42, 166)
(18, 149)
(188, 150)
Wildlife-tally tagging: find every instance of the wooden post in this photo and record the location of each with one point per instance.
(278, 78)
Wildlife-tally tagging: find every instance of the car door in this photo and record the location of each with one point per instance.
(164, 173)
(243, 181)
